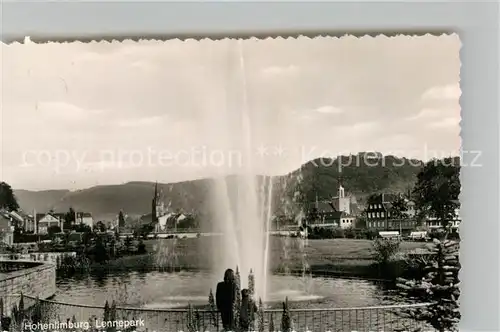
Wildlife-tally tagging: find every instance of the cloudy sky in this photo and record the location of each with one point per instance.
(76, 115)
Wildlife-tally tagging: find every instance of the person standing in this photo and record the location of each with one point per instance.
(225, 297)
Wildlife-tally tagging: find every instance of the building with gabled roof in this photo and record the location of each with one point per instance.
(6, 230)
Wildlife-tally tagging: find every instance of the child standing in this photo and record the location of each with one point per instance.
(247, 311)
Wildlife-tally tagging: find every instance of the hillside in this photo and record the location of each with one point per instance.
(39, 200)
(360, 175)
(320, 177)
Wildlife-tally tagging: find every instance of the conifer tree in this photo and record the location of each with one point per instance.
(106, 311)
(20, 317)
(271, 323)
(237, 302)
(193, 319)
(260, 315)
(251, 283)
(286, 320)
(213, 308)
(440, 287)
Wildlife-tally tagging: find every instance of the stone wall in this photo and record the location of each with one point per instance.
(27, 277)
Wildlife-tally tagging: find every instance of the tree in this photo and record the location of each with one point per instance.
(286, 320)
(53, 230)
(440, 287)
(82, 228)
(121, 219)
(7, 198)
(399, 208)
(100, 252)
(100, 227)
(361, 221)
(373, 199)
(437, 189)
(69, 218)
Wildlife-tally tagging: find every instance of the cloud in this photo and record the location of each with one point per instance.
(279, 70)
(449, 91)
(141, 122)
(358, 129)
(448, 122)
(329, 110)
(64, 111)
(429, 113)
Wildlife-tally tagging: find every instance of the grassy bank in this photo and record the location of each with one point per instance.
(349, 257)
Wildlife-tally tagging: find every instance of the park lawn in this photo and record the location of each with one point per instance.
(348, 249)
(337, 255)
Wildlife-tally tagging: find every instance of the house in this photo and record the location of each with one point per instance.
(6, 230)
(324, 214)
(44, 221)
(379, 214)
(433, 223)
(29, 223)
(180, 220)
(15, 217)
(346, 221)
(345, 202)
(411, 211)
(84, 218)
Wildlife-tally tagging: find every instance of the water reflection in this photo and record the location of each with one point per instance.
(173, 290)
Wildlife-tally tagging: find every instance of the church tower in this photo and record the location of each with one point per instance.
(154, 205)
(344, 203)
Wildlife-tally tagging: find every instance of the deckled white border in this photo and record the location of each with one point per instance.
(476, 23)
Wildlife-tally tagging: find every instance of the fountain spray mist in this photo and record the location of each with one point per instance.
(244, 202)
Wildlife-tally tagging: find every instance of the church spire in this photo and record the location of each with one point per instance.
(154, 204)
(341, 192)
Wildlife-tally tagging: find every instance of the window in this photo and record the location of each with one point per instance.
(378, 214)
(380, 206)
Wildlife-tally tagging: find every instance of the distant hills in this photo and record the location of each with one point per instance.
(361, 175)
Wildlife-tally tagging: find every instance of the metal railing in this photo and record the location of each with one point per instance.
(380, 318)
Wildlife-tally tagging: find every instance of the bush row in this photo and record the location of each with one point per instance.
(339, 233)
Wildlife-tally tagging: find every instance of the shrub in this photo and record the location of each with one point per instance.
(368, 234)
(385, 250)
(324, 233)
(349, 233)
(141, 249)
(338, 233)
